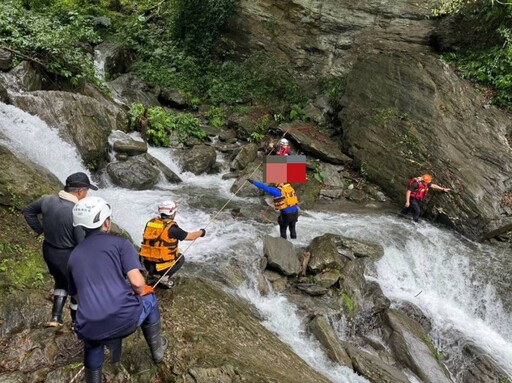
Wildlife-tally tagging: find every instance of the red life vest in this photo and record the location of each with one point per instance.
(283, 150)
(420, 192)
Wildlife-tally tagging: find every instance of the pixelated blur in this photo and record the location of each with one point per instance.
(284, 169)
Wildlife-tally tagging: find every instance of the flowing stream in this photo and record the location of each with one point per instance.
(463, 287)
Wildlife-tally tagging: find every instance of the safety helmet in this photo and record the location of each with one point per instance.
(91, 212)
(427, 178)
(167, 208)
(284, 142)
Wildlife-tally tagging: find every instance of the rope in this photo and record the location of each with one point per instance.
(221, 209)
(77, 375)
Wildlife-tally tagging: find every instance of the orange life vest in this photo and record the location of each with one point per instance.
(287, 199)
(157, 246)
(420, 192)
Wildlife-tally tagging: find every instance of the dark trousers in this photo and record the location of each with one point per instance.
(414, 208)
(94, 350)
(57, 261)
(151, 267)
(288, 221)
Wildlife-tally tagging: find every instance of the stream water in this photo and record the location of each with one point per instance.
(463, 287)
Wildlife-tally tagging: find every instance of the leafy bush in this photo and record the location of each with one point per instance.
(156, 124)
(52, 41)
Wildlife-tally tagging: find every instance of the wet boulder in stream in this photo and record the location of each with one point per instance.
(281, 255)
(135, 173)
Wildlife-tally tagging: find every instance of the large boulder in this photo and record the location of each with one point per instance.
(413, 348)
(5, 59)
(200, 159)
(417, 116)
(281, 255)
(135, 173)
(80, 119)
(124, 145)
(320, 327)
(112, 58)
(22, 181)
(316, 142)
(129, 89)
(244, 157)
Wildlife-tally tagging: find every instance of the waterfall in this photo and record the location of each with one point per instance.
(453, 280)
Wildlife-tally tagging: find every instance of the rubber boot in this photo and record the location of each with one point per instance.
(93, 376)
(73, 307)
(156, 342)
(59, 300)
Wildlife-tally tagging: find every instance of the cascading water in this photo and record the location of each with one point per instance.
(454, 281)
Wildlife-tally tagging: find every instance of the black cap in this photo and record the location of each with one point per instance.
(79, 180)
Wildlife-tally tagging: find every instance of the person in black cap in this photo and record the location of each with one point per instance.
(60, 237)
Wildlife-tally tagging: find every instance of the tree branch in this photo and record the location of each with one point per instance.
(25, 57)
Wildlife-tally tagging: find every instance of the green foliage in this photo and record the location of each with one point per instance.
(51, 39)
(349, 303)
(156, 124)
(198, 24)
(436, 354)
(20, 268)
(216, 117)
(333, 87)
(260, 128)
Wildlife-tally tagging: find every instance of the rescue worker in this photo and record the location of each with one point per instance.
(105, 275)
(416, 190)
(60, 237)
(159, 249)
(286, 202)
(282, 148)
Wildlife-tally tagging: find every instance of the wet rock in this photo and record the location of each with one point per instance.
(200, 159)
(324, 254)
(129, 88)
(395, 133)
(481, 368)
(80, 119)
(243, 187)
(325, 334)
(372, 368)
(22, 181)
(327, 278)
(173, 98)
(5, 60)
(413, 348)
(123, 143)
(244, 157)
(114, 57)
(27, 76)
(312, 289)
(135, 173)
(281, 255)
(278, 281)
(313, 141)
(228, 136)
(168, 173)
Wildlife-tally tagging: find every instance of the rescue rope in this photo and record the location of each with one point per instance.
(221, 209)
(77, 375)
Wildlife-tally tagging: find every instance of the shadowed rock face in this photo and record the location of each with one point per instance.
(417, 116)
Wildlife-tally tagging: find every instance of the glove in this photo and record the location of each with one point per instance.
(203, 232)
(147, 290)
(250, 181)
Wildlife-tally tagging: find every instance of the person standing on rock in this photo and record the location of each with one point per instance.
(416, 191)
(60, 237)
(159, 249)
(286, 202)
(282, 148)
(105, 275)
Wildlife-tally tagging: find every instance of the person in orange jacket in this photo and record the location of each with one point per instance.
(416, 190)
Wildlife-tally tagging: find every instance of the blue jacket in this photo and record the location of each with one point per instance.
(275, 192)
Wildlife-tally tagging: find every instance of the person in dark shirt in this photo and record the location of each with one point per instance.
(60, 237)
(105, 275)
(286, 202)
(416, 191)
(159, 249)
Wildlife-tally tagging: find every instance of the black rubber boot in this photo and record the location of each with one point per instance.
(59, 300)
(156, 342)
(93, 376)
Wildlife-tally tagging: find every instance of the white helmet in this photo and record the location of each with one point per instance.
(91, 212)
(284, 142)
(167, 208)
